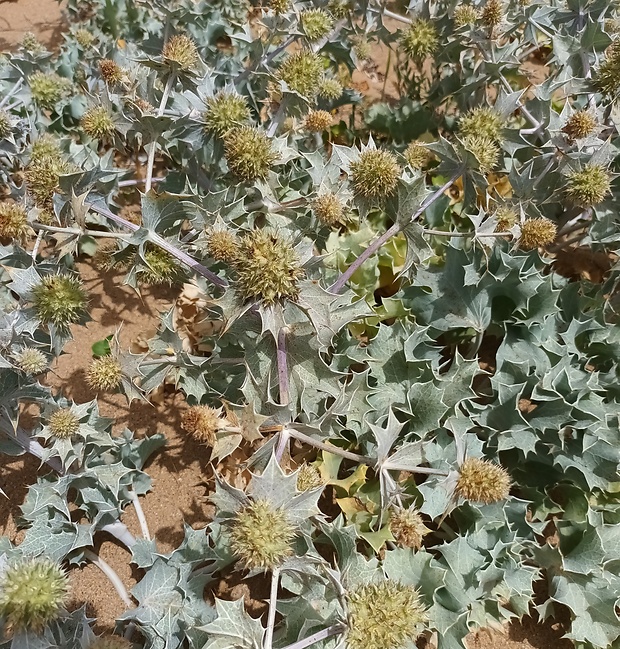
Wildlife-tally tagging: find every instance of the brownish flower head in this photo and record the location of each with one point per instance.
(375, 174)
(492, 13)
(536, 233)
(579, 125)
(482, 481)
(63, 423)
(417, 155)
(202, 423)
(318, 120)
(13, 221)
(222, 246)
(111, 72)
(328, 209)
(308, 477)
(180, 51)
(407, 528)
(104, 373)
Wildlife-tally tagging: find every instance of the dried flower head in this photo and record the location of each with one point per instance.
(104, 373)
(280, 6)
(328, 208)
(6, 124)
(224, 111)
(13, 221)
(330, 89)
(110, 642)
(420, 39)
(482, 121)
(465, 15)
(46, 145)
(385, 615)
(180, 51)
(607, 76)
(48, 89)
(42, 176)
(302, 72)
(482, 481)
(579, 125)
(536, 233)
(375, 174)
(32, 44)
(589, 186)
(316, 23)
(308, 477)
(407, 528)
(144, 106)
(203, 422)
(158, 268)
(63, 424)
(32, 361)
(267, 268)
(492, 13)
(111, 71)
(98, 123)
(59, 300)
(32, 593)
(506, 218)
(318, 120)
(417, 155)
(484, 149)
(249, 153)
(261, 536)
(84, 37)
(222, 246)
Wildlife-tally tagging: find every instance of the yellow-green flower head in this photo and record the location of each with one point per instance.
(42, 176)
(465, 15)
(607, 76)
(268, 269)
(420, 39)
(249, 153)
(222, 246)
(482, 121)
(32, 44)
(59, 300)
(158, 268)
(375, 174)
(32, 593)
(180, 51)
(387, 615)
(203, 422)
(13, 221)
(328, 208)
(48, 89)
(482, 481)
(84, 38)
(330, 89)
(484, 149)
(340, 8)
(302, 72)
(111, 71)
(280, 6)
(316, 24)
(104, 373)
(362, 49)
(98, 123)
(407, 528)
(536, 233)
(63, 424)
(32, 361)
(308, 477)
(579, 125)
(318, 120)
(261, 536)
(589, 186)
(110, 642)
(492, 13)
(417, 155)
(6, 124)
(506, 217)
(224, 111)
(46, 145)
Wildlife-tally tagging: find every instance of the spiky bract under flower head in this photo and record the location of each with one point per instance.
(407, 528)
(420, 39)
(32, 361)
(13, 221)
(328, 208)
(330, 89)
(537, 232)
(589, 186)
(98, 123)
(181, 52)
(222, 246)
(385, 615)
(375, 174)
(482, 121)
(261, 536)
(203, 422)
(465, 15)
(302, 72)
(63, 423)
(110, 642)
(224, 111)
(492, 13)
(32, 593)
(6, 125)
(268, 269)
(484, 149)
(48, 88)
(417, 155)
(482, 481)
(579, 125)
(318, 120)
(59, 300)
(104, 373)
(159, 268)
(316, 23)
(249, 153)
(111, 71)
(308, 477)
(42, 176)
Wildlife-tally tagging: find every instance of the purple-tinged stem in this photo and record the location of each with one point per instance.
(283, 381)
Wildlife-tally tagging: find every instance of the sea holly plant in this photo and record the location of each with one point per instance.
(404, 363)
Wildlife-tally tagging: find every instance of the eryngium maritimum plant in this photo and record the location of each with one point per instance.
(180, 52)
(328, 208)
(225, 111)
(420, 39)
(375, 174)
(13, 221)
(482, 481)
(249, 153)
(32, 361)
(589, 186)
(104, 373)
(63, 423)
(98, 123)
(302, 72)
(536, 233)
(59, 300)
(48, 89)
(482, 121)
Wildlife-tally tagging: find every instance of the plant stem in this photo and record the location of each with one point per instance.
(317, 637)
(40, 227)
(394, 466)
(121, 533)
(277, 118)
(282, 444)
(273, 600)
(448, 233)
(36, 246)
(135, 500)
(283, 380)
(110, 573)
(329, 448)
(139, 181)
(265, 60)
(160, 111)
(12, 91)
(33, 447)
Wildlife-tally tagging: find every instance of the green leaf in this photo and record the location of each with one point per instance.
(233, 628)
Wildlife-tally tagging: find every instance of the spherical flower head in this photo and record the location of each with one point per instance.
(302, 72)
(589, 186)
(506, 218)
(482, 481)
(32, 361)
(98, 123)
(484, 149)
(159, 268)
(482, 121)
(13, 221)
(249, 153)
(407, 528)
(111, 71)
(386, 615)
(202, 423)
(280, 6)
(579, 125)
(417, 155)
(32, 593)
(420, 39)
(537, 232)
(59, 300)
(42, 176)
(492, 13)
(268, 269)
(224, 111)
(84, 38)
(375, 174)
(340, 9)
(180, 52)
(330, 89)
(316, 24)
(63, 424)
(104, 373)
(607, 76)
(48, 89)
(328, 208)
(32, 44)
(6, 124)
(318, 120)
(308, 477)
(46, 145)
(261, 536)
(110, 642)
(222, 246)
(464, 15)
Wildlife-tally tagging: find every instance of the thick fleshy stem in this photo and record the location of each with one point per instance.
(335, 629)
(160, 111)
(121, 533)
(133, 496)
(329, 448)
(283, 379)
(273, 601)
(110, 573)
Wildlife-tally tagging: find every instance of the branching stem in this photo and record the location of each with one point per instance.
(160, 111)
